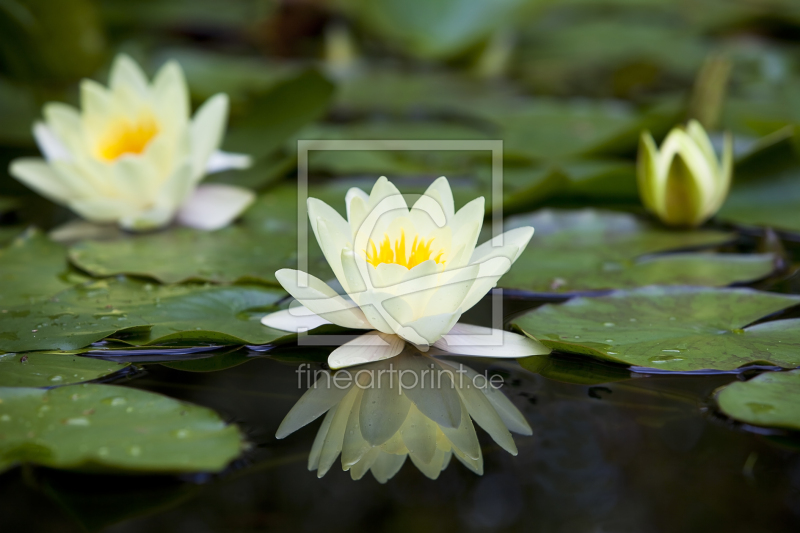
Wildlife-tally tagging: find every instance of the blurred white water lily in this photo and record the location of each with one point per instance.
(410, 406)
(683, 183)
(409, 275)
(133, 156)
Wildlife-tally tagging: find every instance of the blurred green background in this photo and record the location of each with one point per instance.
(567, 85)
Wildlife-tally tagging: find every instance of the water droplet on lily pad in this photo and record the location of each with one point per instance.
(77, 421)
(135, 451)
(664, 359)
(609, 324)
(56, 378)
(115, 401)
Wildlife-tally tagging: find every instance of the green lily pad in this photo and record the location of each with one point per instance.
(104, 426)
(772, 201)
(187, 314)
(576, 182)
(278, 113)
(32, 268)
(228, 255)
(589, 250)
(433, 30)
(52, 369)
(672, 328)
(606, 55)
(434, 93)
(547, 130)
(771, 399)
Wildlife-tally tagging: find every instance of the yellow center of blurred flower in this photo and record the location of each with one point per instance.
(126, 137)
(420, 252)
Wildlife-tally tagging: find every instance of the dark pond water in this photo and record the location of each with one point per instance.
(644, 454)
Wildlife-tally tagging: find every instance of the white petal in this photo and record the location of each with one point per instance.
(319, 298)
(464, 437)
(103, 209)
(356, 212)
(386, 466)
(481, 410)
(323, 395)
(96, 101)
(220, 161)
(429, 328)
(207, 129)
(42, 178)
(65, 123)
(507, 411)
(214, 206)
(517, 237)
(384, 408)
(335, 436)
(155, 217)
(467, 339)
(319, 440)
(50, 145)
(440, 191)
(419, 435)
(171, 94)
(440, 401)
(434, 468)
(367, 348)
(178, 187)
(126, 73)
(295, 319)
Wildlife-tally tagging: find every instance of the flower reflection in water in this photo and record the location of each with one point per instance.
(413, 405)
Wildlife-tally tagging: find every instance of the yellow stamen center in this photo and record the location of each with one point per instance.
(420, 252)
(126, 137)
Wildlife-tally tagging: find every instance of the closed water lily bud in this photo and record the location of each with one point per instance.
(133, 155)
(412, 406)
(683, 183)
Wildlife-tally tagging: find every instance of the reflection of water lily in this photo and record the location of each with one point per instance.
(133, 156)
(409, 275)
(683, 183)
(375, 422)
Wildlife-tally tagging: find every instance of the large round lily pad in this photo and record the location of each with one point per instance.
(52, 369)
(771, 399)
(773, 201)
(672, 328)
(590, 250)
(104, 426)
(146, 313)
(231, 254)
(32, 268)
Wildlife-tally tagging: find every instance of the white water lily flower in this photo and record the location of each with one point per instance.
(410, 406)
(133, 156)
(684, 184)
(409, 275)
